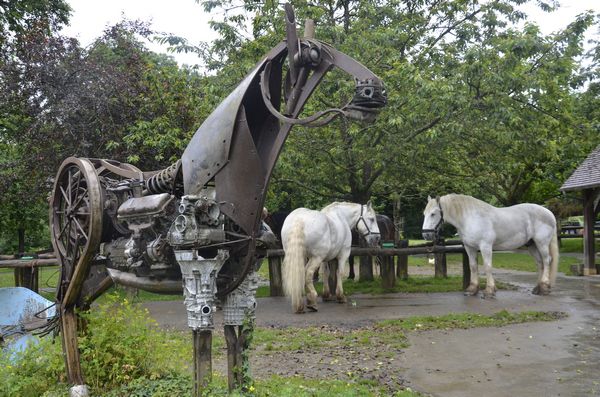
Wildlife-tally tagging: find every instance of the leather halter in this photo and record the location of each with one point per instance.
(361, 218)
(436, 229)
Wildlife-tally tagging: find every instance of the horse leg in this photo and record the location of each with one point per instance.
(326, 289)
(490, 289)
(351, 275)
(543, 286)
(311, 295)
(533, 251)
(339, 288)
(473, 287)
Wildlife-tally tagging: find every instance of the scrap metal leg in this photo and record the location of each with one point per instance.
(239, 312)
(199, 285)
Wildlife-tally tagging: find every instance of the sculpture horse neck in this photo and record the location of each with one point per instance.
(237, 146)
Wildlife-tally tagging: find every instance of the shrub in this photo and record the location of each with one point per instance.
(120, 343)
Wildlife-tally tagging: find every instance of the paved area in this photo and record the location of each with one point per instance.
(559, 358)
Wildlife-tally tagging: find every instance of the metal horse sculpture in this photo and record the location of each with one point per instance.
(199, 219)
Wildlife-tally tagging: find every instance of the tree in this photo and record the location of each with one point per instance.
(114, 100)
(473, 100)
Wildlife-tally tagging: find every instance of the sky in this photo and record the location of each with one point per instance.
(187, 19)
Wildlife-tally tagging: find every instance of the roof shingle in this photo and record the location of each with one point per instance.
(587, 175)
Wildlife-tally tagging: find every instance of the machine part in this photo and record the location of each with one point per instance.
(144, 207)
(114, 251)
(150, 284)
(198, 224)
(200, 286)
(75, 224)
(157, 251)
(165, 180)
(240, 304)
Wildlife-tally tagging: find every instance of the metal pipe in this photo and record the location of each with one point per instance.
(146, 283)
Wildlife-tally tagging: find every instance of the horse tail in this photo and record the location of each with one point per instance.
(554, 256)
(293, 265)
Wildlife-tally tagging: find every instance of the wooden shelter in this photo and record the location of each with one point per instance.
(586, 178)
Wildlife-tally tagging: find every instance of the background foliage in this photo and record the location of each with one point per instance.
(480, 102)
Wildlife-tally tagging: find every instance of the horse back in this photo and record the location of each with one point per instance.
(324, 235)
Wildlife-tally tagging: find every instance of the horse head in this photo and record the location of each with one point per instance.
(367, 225)
(235, 149)
(434, 218)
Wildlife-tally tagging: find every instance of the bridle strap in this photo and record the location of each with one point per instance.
(437, 227)
(361, 218)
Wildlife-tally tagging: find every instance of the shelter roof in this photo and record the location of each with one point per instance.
(587, 175)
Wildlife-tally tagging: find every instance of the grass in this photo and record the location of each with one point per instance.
(125, 354)
(575, 245)
(469, 320)
(391, 333)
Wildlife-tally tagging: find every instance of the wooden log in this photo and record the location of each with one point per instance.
(275, 276)
(365, 269)
(68, 329)
(27, 278)
(202, 360)
(388, 275)
(231, 341)
(21, 263)
(466, 270)
(374, 251)
(402, 266)
(441, 266)
(589, 254)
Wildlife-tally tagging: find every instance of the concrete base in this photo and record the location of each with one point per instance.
(589, 271)
(79, 391)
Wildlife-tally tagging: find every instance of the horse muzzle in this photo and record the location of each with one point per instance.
(429, 234)
(369, 97)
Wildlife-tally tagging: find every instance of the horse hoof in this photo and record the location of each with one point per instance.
(312, 308)
(342, 299)
(327, 298)
(541, 289)
(488, 294)
(471, 290)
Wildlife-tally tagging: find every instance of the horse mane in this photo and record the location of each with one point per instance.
(456, 205)
(335, 204)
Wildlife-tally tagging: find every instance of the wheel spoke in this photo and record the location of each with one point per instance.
(80, 228)
(79, 199)
(67, 198)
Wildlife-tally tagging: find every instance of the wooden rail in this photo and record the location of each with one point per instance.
(387, 257)
(26, 270)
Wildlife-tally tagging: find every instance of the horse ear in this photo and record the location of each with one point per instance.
(369, 204)
(428, 198)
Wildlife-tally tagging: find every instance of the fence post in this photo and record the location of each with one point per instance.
(275, 279)
(402, 269)
(441, 268)
(388, 275)
(365, 271)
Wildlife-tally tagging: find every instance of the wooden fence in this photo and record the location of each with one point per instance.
(388, 258)
(27, 268)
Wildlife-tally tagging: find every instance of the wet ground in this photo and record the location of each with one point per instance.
(557, 358)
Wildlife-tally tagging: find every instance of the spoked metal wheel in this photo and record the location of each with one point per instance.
(75, 224)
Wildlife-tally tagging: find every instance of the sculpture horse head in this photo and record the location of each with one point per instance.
(237, 146)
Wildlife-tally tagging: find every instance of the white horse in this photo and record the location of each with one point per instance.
(321, 236)
(484, 228)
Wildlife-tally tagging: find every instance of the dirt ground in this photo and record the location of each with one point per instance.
(558, 358)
